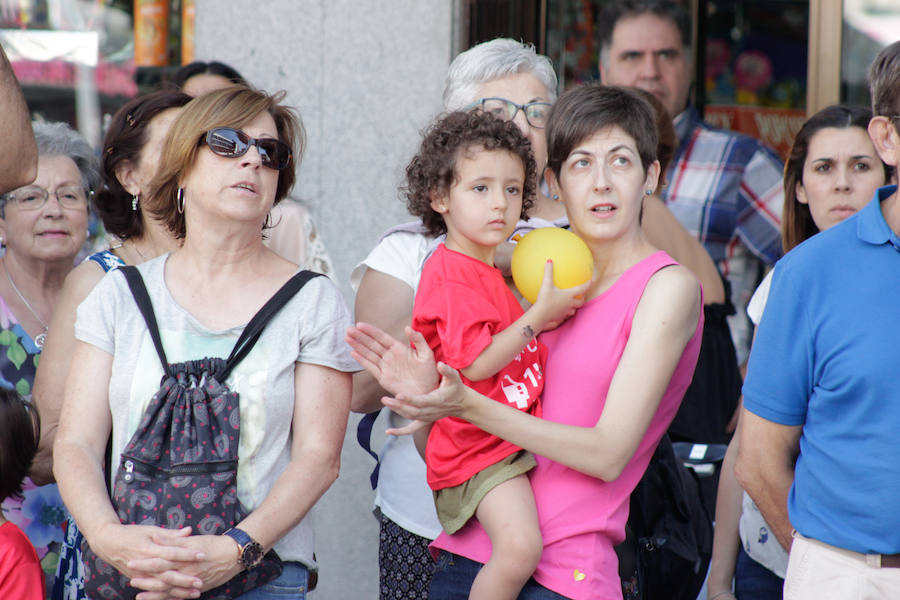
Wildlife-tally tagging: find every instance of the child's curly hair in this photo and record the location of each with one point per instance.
(433, 169)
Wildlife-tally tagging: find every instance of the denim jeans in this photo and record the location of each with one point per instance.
(454, 574)
(752, 581)
(291, 584)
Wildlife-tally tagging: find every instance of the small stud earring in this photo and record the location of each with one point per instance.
(556, 197)
(649, 192)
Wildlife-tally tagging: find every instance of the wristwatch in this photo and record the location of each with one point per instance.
(251, 551)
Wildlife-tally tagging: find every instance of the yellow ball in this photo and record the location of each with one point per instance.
(573, 263)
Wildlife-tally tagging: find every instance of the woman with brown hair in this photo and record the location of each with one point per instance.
(229, 157)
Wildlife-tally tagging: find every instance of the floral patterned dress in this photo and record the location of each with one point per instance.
(40, 513)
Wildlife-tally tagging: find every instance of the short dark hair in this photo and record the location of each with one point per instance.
(586, 109)
(433, 169)
(884, 83)
(234, 106)
(613, 12)
(124, 141)
(207, 68)
(797, 224)
(20, 431)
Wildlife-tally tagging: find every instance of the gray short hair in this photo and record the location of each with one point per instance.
(491, 60)
(58, 139)
(884, 82)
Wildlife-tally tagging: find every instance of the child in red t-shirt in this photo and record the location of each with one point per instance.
(21, 576)
(474, 178)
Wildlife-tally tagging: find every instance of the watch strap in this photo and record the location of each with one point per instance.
(240, 536)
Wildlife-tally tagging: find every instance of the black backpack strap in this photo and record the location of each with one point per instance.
(255, 327)
(142, 298)
(364, 438)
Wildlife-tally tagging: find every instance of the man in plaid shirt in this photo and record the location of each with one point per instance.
(724, 187)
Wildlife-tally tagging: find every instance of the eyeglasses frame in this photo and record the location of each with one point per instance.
(480, 102)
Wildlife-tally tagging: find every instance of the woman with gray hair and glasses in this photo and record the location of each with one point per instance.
(43, 226)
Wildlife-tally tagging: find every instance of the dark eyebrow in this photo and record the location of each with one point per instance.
(620, 147)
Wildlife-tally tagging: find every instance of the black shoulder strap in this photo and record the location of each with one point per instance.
(255, 327)
(142, 298)
(248, 337)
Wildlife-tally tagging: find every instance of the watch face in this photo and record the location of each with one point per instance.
(251, 554)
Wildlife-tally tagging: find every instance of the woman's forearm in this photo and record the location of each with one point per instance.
(303, 482)
(726, 537)
(319, 423)
(79, 475)
(56, 357)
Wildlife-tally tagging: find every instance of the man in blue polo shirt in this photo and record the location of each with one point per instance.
(819, 446)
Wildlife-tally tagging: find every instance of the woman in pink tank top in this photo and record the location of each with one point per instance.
(616, 371)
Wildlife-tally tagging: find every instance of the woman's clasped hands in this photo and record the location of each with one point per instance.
(169, 563)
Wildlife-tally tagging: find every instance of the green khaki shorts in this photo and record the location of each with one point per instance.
(456, 505)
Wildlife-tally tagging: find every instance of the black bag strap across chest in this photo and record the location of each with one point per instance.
(249, 336)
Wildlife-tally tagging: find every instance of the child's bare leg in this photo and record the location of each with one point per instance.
(509, 517)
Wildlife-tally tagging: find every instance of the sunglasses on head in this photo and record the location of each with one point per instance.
(232, 143)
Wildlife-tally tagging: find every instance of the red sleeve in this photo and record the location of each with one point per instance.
(21, 576)
(462, 321)
(24, 582)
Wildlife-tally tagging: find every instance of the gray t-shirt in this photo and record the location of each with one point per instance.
(309, 329)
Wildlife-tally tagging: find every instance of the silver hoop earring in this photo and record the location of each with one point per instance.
(134, 202)
(179, 200)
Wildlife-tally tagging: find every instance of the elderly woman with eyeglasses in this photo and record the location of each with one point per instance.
(43, 226)
(228, 158)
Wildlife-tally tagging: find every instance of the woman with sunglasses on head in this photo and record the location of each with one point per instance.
(43, 226)
(831, 173)
(615, 372)
(228, 158)
(131, 150)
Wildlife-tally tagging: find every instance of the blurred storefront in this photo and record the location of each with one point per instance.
(760, 65)
(79, 60)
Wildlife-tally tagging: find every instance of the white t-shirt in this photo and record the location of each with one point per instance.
(402, 495)
(758, 302)
(309, 329)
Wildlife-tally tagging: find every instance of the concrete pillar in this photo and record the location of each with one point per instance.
(366, 76)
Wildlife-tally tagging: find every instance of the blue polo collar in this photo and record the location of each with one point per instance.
(871, 226)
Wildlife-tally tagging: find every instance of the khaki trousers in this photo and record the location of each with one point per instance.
(818, 571)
